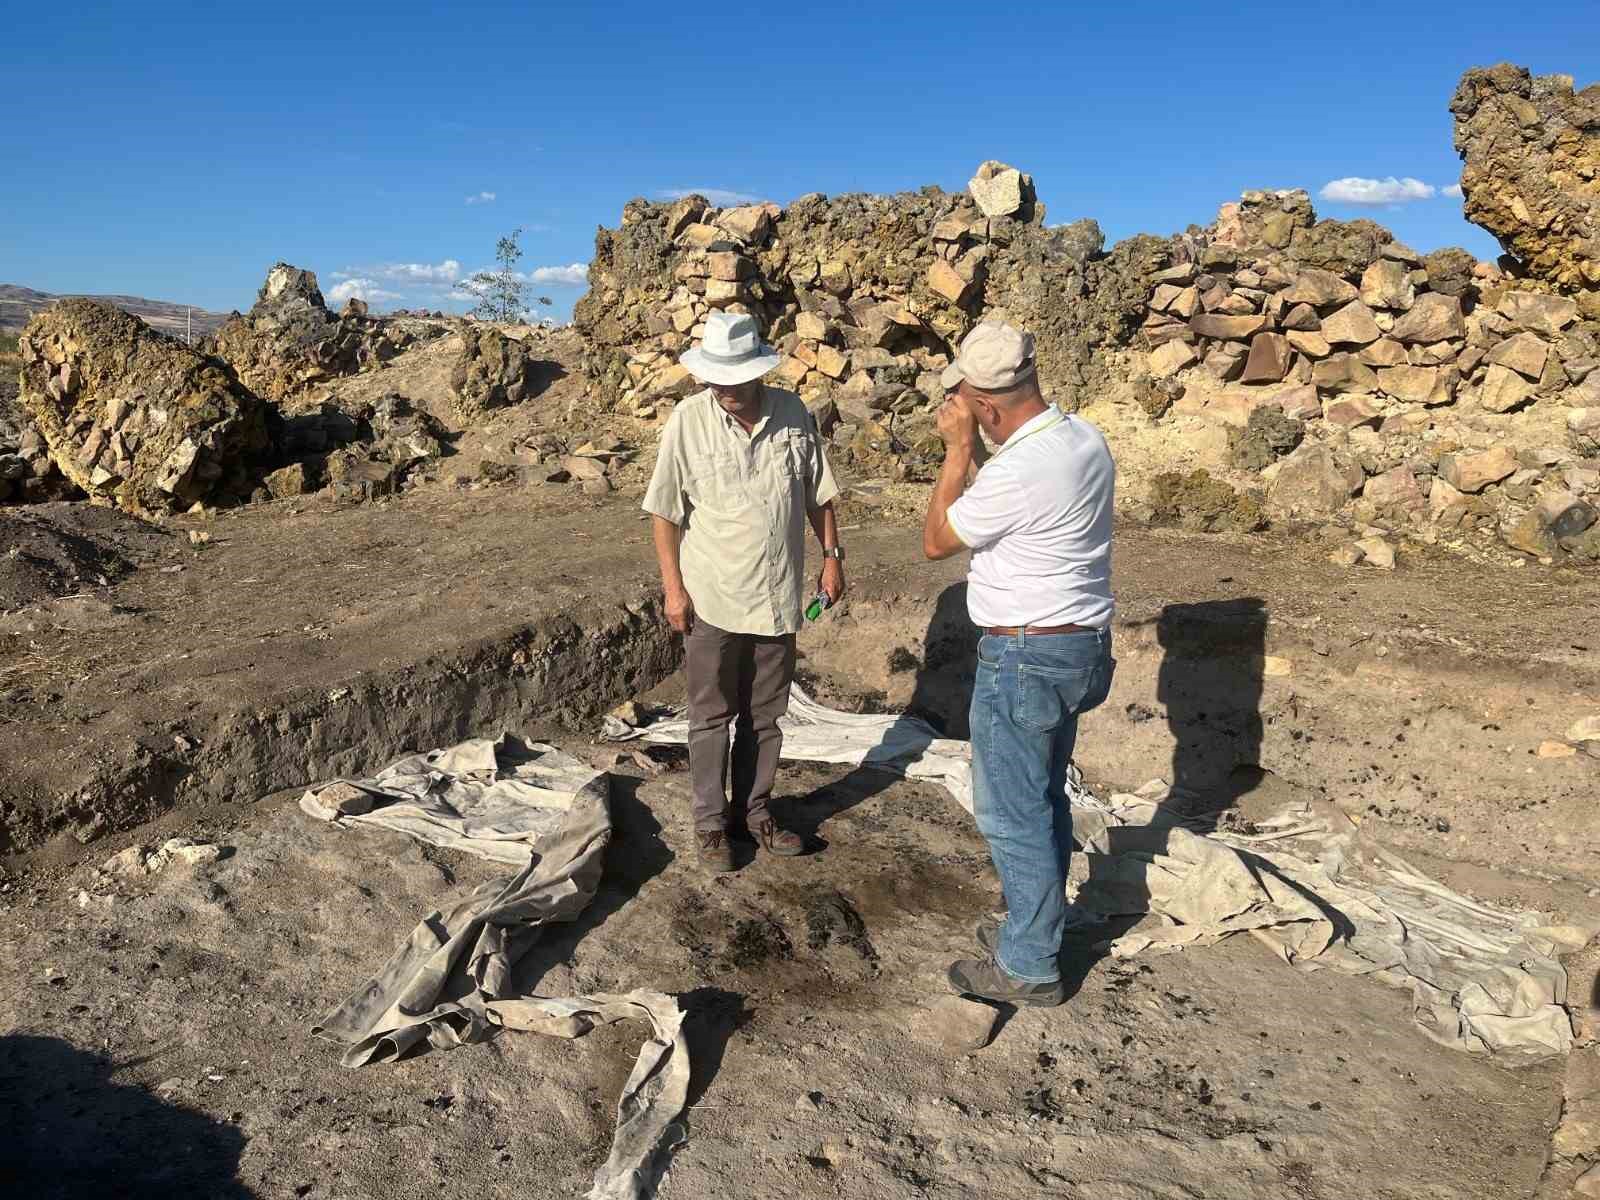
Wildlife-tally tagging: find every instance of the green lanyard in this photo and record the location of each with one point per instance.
(1059, 417)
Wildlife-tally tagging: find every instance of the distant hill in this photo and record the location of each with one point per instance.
(18, 304)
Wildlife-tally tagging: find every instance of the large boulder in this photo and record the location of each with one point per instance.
(1314, 481)
(134, 417)
(494, 370)
(1530, 148)
(1343, 247)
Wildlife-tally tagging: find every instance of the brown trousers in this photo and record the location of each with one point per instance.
(742, 679)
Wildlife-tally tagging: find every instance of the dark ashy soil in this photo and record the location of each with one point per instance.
(50, 550)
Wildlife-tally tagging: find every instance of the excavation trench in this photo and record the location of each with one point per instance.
(565, 669)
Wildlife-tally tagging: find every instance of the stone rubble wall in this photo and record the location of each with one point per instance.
(866, 296)
(1425, 395)
(1361, 384)
(290, 341)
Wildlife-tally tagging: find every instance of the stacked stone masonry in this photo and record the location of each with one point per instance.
(866, 296)
(1434, 394)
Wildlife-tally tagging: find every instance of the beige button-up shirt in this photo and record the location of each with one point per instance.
(742, 501)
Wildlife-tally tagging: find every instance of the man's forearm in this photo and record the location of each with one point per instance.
(980, 455)
(825, 524)
(667, 538)
(947, 489)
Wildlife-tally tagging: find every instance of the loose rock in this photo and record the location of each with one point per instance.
(959, 1026)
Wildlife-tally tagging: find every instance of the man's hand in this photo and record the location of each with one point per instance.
(958, 426)
(680, 610)
(957, 423)
(832, 580)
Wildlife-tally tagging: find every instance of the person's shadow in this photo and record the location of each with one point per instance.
(941, 698)
(1210, 681)
(636, 854)
(71, 1131)
(1209, 684)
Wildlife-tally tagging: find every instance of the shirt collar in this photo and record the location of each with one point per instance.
(731, 424)
(1043, 421)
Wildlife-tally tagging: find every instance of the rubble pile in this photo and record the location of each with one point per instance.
(134, 417)
(27, 474)
(1531, 173)
(1426, 394)
(359, 456)
(289, 340)
(866, 297)
(593, 463)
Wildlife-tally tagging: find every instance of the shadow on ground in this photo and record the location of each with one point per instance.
(636, 854)
(71, 1132)
(1209, 685)
(941, 697)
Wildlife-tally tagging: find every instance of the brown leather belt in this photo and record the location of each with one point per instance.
(1036, 630)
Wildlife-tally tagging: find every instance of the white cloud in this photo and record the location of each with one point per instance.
(361, 289)
(1453, 191)
(481, 198)
(575, 273)
(446, 272)
(410, 275)
(1355, 190)
(721, 197)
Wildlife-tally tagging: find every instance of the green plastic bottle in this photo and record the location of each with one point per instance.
(819, 602)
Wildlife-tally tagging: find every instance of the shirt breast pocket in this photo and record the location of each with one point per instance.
(713, 481)
(793, 455)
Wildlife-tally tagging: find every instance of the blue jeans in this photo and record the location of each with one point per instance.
(1026, 702)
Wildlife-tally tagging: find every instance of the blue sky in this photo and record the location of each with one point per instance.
(177, 151)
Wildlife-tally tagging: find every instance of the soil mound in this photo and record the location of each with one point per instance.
(50, 550)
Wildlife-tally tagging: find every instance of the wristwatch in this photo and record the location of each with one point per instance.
(836, 552)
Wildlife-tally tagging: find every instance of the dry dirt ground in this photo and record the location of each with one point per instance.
(154, 1033)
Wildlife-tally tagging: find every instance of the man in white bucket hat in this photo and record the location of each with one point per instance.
(740, 471)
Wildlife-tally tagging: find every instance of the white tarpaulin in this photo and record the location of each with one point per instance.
(451, 981)
(1307, 884)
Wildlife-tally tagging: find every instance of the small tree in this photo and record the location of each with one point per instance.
(499, 295)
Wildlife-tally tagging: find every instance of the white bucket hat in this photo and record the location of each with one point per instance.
(730, 352)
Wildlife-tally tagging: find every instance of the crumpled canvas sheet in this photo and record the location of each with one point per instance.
(493, 798)
(1307, 884)
(450, 982)
(905, 745)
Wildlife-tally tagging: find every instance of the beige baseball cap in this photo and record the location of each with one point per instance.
(994, 356)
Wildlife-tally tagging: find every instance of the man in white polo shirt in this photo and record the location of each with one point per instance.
(1037, 518)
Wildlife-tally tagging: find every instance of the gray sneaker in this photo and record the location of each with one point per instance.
(982, 977)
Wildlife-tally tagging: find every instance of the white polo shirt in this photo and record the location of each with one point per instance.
(1038, 521)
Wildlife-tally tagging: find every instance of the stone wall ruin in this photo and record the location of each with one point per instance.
(865, 295)
(1362, 385)
(1431, 396)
